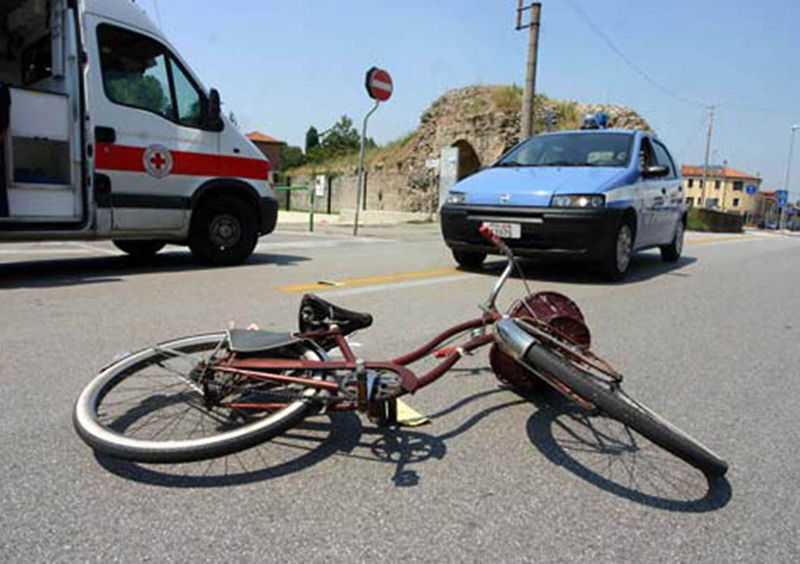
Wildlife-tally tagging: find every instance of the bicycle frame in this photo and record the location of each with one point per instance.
(264, 368)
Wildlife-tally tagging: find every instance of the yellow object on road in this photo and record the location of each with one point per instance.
(408, 416)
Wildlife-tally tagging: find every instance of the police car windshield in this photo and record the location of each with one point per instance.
(572, 149)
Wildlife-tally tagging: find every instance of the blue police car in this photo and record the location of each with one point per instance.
(597, 194)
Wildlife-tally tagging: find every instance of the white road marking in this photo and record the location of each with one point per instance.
(399, 285)
(100, 250)
(325, 243)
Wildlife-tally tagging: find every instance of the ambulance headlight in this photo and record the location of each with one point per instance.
(456, 198)
(578, 201)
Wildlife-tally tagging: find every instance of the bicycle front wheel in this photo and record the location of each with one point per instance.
(615, 403)
(150, 406)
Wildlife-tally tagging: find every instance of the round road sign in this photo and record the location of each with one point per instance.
(379, 84)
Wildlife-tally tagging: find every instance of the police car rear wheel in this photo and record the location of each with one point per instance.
(469, 259)
(224, 231)
(672, 252)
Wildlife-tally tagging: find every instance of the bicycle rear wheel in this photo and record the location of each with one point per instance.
(615, 403)
(151, 407)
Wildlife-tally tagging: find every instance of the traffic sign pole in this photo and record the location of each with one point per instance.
(379, 87)
(360, 188)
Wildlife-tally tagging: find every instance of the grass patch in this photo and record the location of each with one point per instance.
(507, 98)
(694, 222)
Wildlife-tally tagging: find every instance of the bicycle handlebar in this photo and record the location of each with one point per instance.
(495, 239)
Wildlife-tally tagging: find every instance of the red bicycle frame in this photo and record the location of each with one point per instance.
(269, 369)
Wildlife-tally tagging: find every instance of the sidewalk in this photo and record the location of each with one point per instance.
(347, 217)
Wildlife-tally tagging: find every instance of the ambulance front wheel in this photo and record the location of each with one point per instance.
(224, 231)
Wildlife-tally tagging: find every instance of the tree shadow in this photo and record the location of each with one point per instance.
(607, 454)
(644, 266)
(50, 273)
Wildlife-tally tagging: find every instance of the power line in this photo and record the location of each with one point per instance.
(639, 70)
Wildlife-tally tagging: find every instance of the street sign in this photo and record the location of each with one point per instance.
(379, 84)
(751, 190)
(319, 186)
(783, 197)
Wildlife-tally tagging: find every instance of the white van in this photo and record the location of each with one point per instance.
(113, 136)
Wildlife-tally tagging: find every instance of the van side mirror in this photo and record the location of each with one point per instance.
(214, 111)
(656, 171)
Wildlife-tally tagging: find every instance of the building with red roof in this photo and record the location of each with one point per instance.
(726, 188)
(270, 146)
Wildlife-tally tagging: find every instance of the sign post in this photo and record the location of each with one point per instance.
(379, 87)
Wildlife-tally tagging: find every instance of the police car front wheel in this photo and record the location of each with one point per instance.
(224, 231)
(618, 257)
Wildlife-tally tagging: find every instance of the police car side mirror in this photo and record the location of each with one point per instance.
(656, 171)
(214, 111)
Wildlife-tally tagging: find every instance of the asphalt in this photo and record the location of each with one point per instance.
(710, 342)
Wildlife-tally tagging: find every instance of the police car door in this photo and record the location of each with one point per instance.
(651, 199)
(673, 194)
(148, 113)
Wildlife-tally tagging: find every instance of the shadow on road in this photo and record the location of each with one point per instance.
(607, 454)
(601, 451)
(101, 270)
(644, 266)
(298, 449)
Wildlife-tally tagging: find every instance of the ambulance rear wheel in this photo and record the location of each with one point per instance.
(139, 249)
(224, 231)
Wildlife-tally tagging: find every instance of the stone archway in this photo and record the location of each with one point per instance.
(468, 160)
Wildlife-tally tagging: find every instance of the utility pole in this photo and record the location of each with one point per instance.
(788, 172)
(529, 94)
(704, 202)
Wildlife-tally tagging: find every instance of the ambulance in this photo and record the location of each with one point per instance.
(113, 136)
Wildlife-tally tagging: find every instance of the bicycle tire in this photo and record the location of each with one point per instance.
(620, 406)
(105, 438)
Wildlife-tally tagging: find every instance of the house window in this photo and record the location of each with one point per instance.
(700, 183)
(690, 202)
(736, 202)
(716, 184)
(712, 203)
(738, 185)
(690, 183)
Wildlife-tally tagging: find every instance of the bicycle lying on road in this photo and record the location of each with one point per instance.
(214, 394)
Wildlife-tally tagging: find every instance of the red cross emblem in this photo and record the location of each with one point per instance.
(158, 161)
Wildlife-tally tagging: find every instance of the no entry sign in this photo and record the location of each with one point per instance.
(379, 84)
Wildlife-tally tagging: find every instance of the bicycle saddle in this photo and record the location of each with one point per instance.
(317, 314)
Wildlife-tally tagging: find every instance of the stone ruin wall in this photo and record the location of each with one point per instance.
(487, 119)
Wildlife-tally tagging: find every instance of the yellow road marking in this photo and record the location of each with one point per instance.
(368, 280)
(720, 239)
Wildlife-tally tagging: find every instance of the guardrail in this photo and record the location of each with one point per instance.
(311, 194)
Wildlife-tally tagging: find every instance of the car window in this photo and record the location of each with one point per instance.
(141, 73)
(646, 155)
(189, 101)
(134, 71)
(572, 149)
(664, 159)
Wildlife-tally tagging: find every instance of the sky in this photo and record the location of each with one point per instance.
(283, 65)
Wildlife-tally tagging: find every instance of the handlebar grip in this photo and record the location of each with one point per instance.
(487, 232)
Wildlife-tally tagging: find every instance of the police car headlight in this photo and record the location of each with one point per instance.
(578, 201)
(456, 198)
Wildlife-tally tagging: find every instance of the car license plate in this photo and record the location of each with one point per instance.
(505, 230)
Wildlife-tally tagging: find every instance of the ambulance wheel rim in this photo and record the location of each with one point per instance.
(225, 231)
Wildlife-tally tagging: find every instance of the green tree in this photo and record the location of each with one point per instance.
(291, 157)
(341, 139)
(312, 139)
